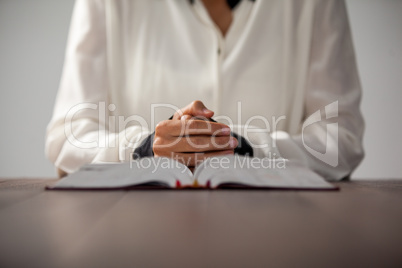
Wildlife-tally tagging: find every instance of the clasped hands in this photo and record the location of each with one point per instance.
(190, 137)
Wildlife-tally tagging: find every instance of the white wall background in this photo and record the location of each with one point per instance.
(32, 41)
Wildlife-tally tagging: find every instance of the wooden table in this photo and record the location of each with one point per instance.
(358, 226)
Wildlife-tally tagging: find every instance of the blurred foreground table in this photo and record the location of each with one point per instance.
(358, 226)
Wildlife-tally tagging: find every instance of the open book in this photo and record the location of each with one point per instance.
(217, 172)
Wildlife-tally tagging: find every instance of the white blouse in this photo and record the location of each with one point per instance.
(284, 77)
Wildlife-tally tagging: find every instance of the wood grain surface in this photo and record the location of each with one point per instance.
(358, 226)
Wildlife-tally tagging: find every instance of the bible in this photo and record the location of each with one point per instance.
(227, 172)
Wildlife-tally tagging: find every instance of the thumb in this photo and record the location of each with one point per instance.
(197, 108)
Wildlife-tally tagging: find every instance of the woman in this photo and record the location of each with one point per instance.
(263, 68)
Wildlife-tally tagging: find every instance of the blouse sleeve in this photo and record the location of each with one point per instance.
(79, 131)
(330, 141)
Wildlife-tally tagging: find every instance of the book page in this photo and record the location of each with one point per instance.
(147, 172)
(245, 172)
